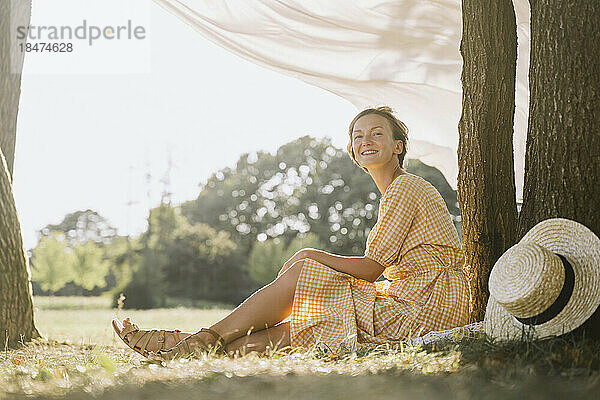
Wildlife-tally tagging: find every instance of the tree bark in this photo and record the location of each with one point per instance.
(486, 180)
(16, 307)
(562, 158)
(13, 13)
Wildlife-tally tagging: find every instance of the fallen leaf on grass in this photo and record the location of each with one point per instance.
(43, 374)
(18, 360)
(106, 363)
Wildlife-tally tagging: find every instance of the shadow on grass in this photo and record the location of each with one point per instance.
(566, 356)
(390, 385)
(472, 369)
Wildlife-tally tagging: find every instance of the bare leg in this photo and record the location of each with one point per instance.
(263, 309)
(277, 337)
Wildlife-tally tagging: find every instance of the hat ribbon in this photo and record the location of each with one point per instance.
(560, 302)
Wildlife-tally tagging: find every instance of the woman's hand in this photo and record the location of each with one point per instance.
(300, 255)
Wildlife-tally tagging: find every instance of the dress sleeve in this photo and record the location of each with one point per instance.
(397, 211)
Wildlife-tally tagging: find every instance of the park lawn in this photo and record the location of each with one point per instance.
(79, 358)
(86, 320)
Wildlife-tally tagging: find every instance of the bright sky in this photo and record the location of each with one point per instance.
(94, 123)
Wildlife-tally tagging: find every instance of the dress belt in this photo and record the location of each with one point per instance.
(453, 267)
(439, 269)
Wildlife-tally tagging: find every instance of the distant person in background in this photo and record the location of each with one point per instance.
(319, 298)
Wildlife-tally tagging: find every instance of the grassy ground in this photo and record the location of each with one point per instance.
(86, 320)
(79, 359)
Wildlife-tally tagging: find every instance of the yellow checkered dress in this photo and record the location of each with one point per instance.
(427, 289)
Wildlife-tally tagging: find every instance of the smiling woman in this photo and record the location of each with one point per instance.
(413, 242)
(336, 301)
(379, 117)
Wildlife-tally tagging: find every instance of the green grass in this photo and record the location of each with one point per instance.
(71, 303)
(86, 320)
(79, 358)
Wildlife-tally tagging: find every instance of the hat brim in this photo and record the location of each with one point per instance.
(582, 248)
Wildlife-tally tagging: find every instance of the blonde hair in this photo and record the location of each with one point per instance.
(399, 130)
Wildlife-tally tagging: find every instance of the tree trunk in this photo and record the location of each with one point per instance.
(16, 308)
(562, 159)
(13, 13)
(486, 180)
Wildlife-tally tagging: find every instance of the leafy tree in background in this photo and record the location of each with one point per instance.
(203, 264)
(286, 194)
(122, 257)
(85, 238)
(146, 289)
(437, 179)
(339, 201)
(89, 268)
(55, 264)
(307, 186)
(83, 226)
(51, 264)
(244, 225)
(266, 258)
(309, 194)
(309, 240)
(176, 259)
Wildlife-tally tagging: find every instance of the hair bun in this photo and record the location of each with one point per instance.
(385, 109)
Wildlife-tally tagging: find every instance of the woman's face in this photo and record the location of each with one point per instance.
(373, 142)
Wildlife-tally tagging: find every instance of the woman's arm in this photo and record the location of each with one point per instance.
(358, 266)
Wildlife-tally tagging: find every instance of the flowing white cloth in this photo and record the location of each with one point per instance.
(402, 53)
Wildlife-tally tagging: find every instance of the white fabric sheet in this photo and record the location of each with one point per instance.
(402, 53)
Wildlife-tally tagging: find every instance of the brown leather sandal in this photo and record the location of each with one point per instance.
(183, 348)
(142, 337)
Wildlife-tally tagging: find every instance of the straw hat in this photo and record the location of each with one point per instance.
(545, 285)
